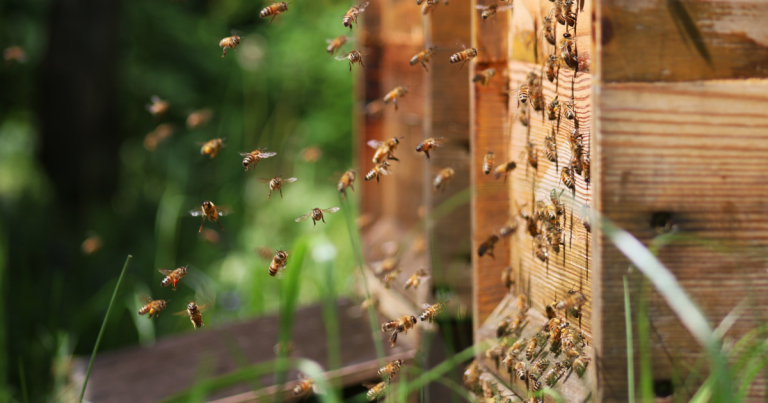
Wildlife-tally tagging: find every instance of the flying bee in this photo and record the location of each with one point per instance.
(229, 42)
(14, 54)
(152, 307)
(570, 112)
(353, 57)
(521, 370)
(429, 144)
(442, 178)
(490, 11)
(384, 149)
(531, 348)
(550, 147)
(568, 51)
(390, 370)
(378, 170)
(431, 311)
(252, 158)
(305, 387)
(212, 147)
(525, 120)
(472, 375)
(347, 181)
(158, 106)
(484, 77)
(335, 44)
(549, 30)
(173, 276)
(523, 94)
(463, 56)
(551, 66)
(566, 176)
(399, 326)
(351, 15)
(376, 391)
(423, 57)
(553, 109)
(273, 10)
(276, 183)
(211, 212)
(317, 215)
(504, 169)
(415, 279)
(387, 265)
(487, 246)
(278, 262)
(198, 118)
(533, 156)
(390, 277)
(586, 220)
(488, 162)
(507, 277)
(369, 302)
(195, 313)
(393, 95)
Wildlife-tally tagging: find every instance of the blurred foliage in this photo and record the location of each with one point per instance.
(279, 90)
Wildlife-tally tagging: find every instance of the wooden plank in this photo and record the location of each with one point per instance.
(697, 152)
(682, 40)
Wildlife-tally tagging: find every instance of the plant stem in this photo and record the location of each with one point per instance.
(630, 345)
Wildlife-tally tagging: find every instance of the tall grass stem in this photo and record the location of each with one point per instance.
(630, 344)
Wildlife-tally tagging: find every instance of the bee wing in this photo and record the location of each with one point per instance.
(316, 389)
(267, 155)
(289, 180)
(481, 7)
(196, 212)
(155, 99)
(144, 298)
(223, 210)
(343, 57)
(331, 210)
(370, 385)
(439, 141)
(374, 143)
(164, 271)
(425, 305)
(329, 40)
(264, 180)
(303, 218)
(204, 307)
(507, 7)
(244, 154)
(181, 313)
(362, 7)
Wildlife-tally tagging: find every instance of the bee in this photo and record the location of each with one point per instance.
(211, 212)
(485, 76)
(390, 277)
(152, 307)
(427, 8)
(305, 387)
(555, 337)
(390, 370)
(353, 57)
(517, 348)
(153, 138)
(317, 215)
(276, 183)
(252, 158)
(567, 12)
(523, 94)
(490, 11)
(585, 167)
(463, 56)
(387, 265)
(212, 147)
(566, 176)
(525, 120)
(229, 42)
(555, 238)
(274, 10)
(442, 178)
(520, 370)
(488, 162)
(399, 326)
(575, 138)
(351, 15)
(284, 348)
(431, 311)
(415, 279)
(195, 313)
(538, 368)
(384, 149)
(501, 328)
(570, 112)
(14, 54)
(551, 64)
(494, 354)
(554, 198)
(429, 144)
(347, 181)
(586, 221)
(553, 109)
(504, 169)
(335, 44)
(472, 375)
(549, 30)
(550, 147)
(530, 348)
(568, 51)
(378, 170)
(533, 156)
(158, 106)
(507, 277)
(376, 391)
(198, 118)
(393, 95)
(553, 375)
(278, 262)
(173, 276)
(487, 246)
(542, 251)
(369, 302)
(423, 57)
(577, 149)
(575, 299)
(580, 365)
(91, 244)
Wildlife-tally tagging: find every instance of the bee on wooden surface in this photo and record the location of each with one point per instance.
(494, 354)
(278, 262)
(305, 387)
(521, 371)
(317, 215)
(550, 147)
(384, 149)
(463, 56)
(212, 147)
(442, 178)
(568, 51)
(509, 361)
(523, 117)
(533, 155)
(152, 307)
(229, 43)
(542, 250)
(551, 65)
(273, 10)
(555, 238)
(396, 93)
(553, 375)
(566, 176)
(580, 365)
(538, 368)
(577, 149)
(555, 338)
(172, 276)
(347, 181)
(195, 313)
(390, 370)
(275, 183)
(501, 328)
(429, 144)
(575, 299)
(353, 57)
(548, 29)
(158, 106)
(378, 170)
(211, 212)
(508, 229)
(558, 11)
(351, 15)
(568, 13)
(484, 76)
(427, 7)
(570, 112)
(198, 118)
(490, 11)
(554, 198)
(415, 279)
(523, 94)
(431, 311)
(532, 225)
(504, 169)
(488, 162)
(423, 57)
(399, 326)
(553, 109)
(507, 277)
(585, 167)
(531, 348)
(487, 246)
(335, 44)
(586, 220)
(472, 375)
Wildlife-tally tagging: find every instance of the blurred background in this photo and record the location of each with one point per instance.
(88, 175)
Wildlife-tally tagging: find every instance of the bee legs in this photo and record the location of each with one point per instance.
(363, 64)
(314, 223)
(201, 225)
(425, 65)
(281, 193)
(225, 52)
(427, 153)
(393, 338)
(273, 18)
(395, 102)
(220, 226)
(270, 194)
(350, 63)
(322, 218)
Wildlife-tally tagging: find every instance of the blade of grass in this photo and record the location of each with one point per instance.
(445, 366)
(23, 381)
(630, 345)
(755, 365)
(104, 325)
(704, 393)
(644, 343)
